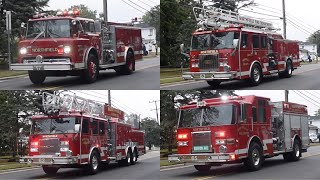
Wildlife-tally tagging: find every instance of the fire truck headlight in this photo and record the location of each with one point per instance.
(23, 51)
(67, 49)
(33, 149)
(220, 141)
(69, 153)
(182, 143)
(195, 65)
(63, 149)
(223, 149)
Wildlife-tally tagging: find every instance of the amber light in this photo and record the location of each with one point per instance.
(182, 136)
(232, 157)
(220, 134)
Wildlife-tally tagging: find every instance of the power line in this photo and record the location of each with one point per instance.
(303, 96)
(145, 3)
(132, 6)
(138, 5)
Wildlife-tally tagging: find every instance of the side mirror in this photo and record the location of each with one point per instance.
(23, 25)
(182, 47)
(74, 22)
(77, 128)
(20, 130)
(235, 43)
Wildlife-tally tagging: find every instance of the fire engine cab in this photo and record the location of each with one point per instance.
(77, 132)
(228, 46)
(66, 44)
(240, 129)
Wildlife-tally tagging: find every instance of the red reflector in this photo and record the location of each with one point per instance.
(60, 50)
(76, 12)
(65, 13)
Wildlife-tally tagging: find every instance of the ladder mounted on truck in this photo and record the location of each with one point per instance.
(66, 102)
(209, 17)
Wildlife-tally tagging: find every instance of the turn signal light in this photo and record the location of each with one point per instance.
(182, 136)
(220, 134)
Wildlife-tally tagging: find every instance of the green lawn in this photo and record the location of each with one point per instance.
(7, 73)
(170, 75)
(12, 165)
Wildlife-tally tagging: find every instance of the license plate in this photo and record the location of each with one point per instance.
(38, 67)
(201, 148)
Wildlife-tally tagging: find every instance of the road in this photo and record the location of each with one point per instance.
(146, 168)
(146, 77)
(274, 168)
(303, 78)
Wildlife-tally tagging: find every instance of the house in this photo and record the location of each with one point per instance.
(306, 48)
(314, 124)
(149, 36)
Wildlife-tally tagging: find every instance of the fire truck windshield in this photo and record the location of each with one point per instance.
(208, 116)
(220, 40)
(60, 28)
(54, 125)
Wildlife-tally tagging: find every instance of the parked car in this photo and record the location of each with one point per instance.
(313, 138)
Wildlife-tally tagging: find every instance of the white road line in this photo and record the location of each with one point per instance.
(29, 169)
(179, 167)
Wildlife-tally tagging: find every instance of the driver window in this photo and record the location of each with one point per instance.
(244, 41)
(85, 126)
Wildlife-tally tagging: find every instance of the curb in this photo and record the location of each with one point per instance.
(172, 166)
(13, 77)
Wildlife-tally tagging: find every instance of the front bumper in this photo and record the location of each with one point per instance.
(201, 158)
(48, 160)
(45, 65)
(209, 75)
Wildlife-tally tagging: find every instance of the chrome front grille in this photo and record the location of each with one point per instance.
(209, 62)
(49, 146)
(201, 142)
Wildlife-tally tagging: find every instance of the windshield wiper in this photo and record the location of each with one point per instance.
(37, 37)
(50, 34)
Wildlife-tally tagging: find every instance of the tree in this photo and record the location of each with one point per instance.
(152, 18)
(21, 12)
(315, 38)
(152, 131)
(232, 5)
(85, 12)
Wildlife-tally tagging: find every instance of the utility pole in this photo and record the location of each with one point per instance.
(109, 98)
(286, 92)
(155, 102)
(284, 20)
(105, 10)
(8, 25)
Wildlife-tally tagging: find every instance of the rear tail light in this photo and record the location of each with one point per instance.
(182, 136)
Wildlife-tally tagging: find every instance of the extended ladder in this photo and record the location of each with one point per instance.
(210, 17)
(64, 102)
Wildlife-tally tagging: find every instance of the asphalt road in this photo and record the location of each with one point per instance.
(303, 78)
(274, 168)
(146, 77)
(145, 168)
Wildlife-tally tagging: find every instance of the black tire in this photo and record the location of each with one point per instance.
(127, 161)
(202, 168)
(50, 170)
(129, 67)
(90, 74)
(37, 77)
(214, 83)
(255, 159)
(288, 72)
(93, 166)
(295, 154)
(256, 75)
(134, 157)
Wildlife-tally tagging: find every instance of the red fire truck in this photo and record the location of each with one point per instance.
(240, 129)
(77, 132)
(228, 46)
(66, 44)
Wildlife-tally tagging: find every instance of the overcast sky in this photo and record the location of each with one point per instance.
(119, 10)
(276, 95)
(130, 101)
(302, 13)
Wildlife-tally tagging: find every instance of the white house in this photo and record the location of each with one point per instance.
(149, 36)
(314, 121)
(305, 48)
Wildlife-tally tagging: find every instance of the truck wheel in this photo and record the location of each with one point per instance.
(288, 72)
(90, 74)
(50, 170)
(134, 157)
(214, 83)
(296, 152)
(37, 77)
(129, 67)
(202, 168)
(127, 161)
(256, 75)
(255, 157)
(93, 166)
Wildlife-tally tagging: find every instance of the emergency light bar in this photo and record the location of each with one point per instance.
(39, 15)
(75, 12)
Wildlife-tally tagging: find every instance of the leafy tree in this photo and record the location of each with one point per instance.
(152, 131)
(85, 12)
(232, 5)
(152, 17)
(21, 12)
(315, 38)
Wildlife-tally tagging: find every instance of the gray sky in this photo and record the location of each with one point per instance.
(119, 11)
(278, 95)
(130, 101)
(302, 13)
